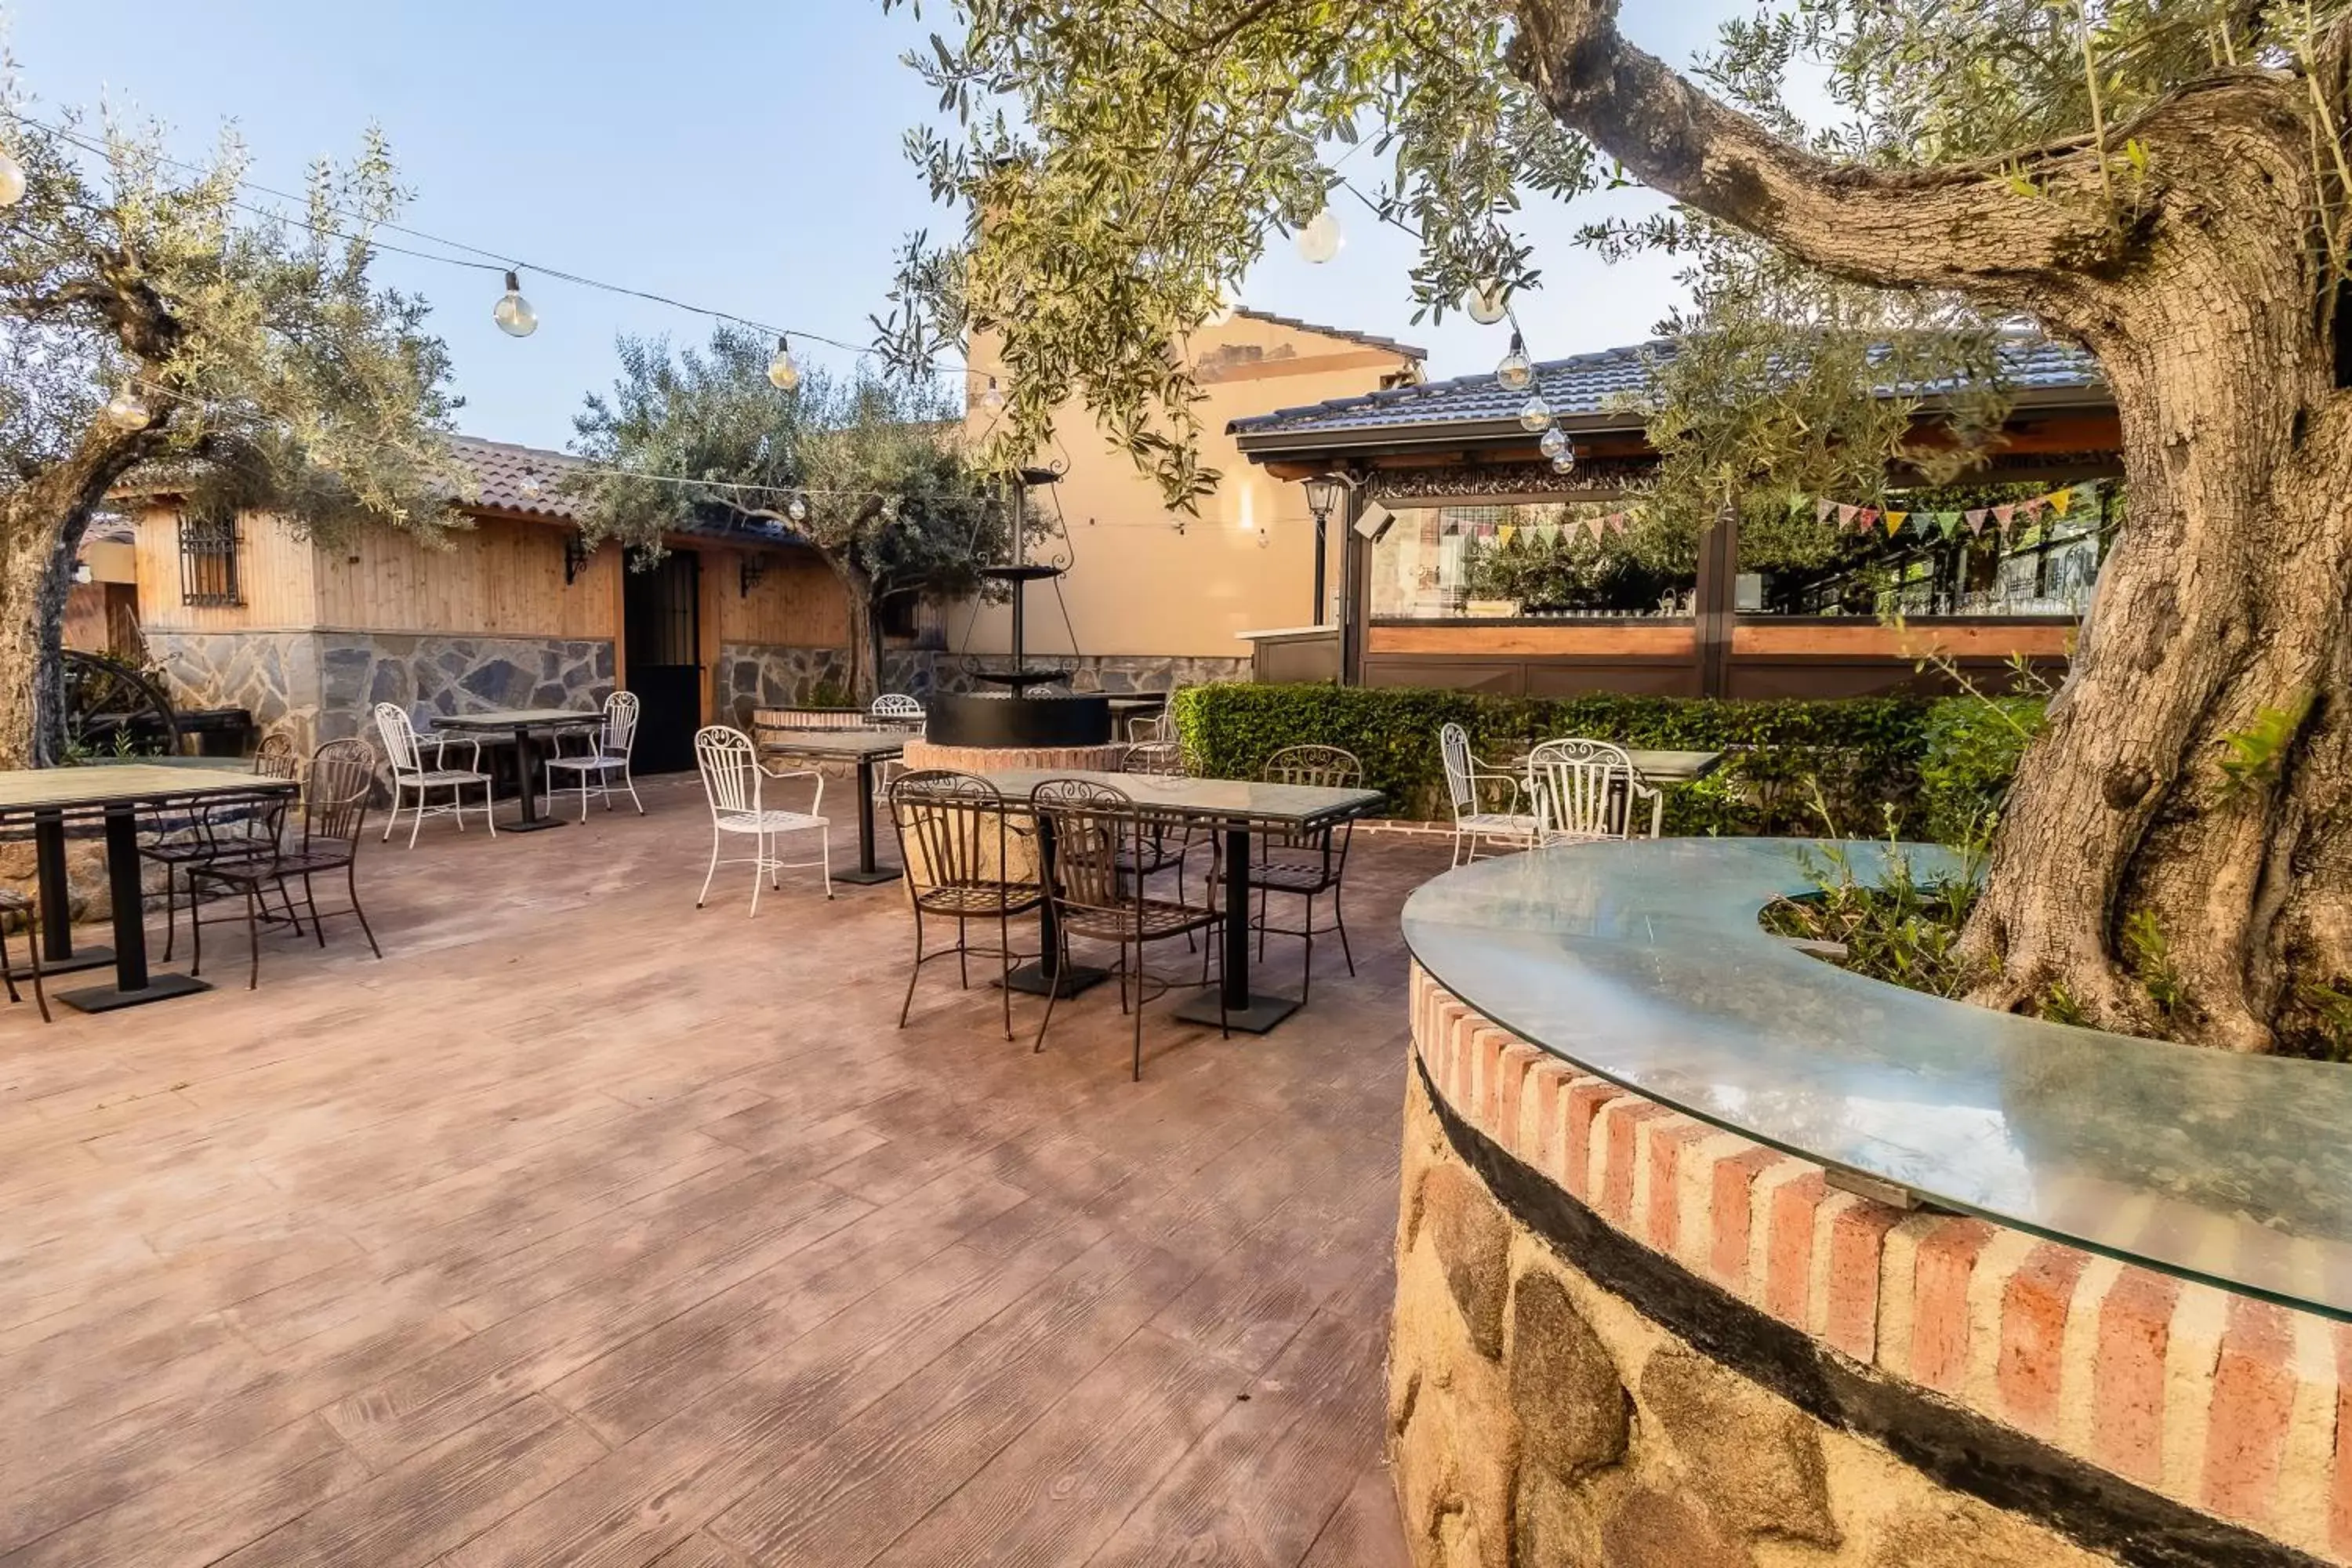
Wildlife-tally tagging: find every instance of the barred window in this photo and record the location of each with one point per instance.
(208, 551)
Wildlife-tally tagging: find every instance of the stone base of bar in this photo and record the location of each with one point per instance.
(983, 759)
(1624, 1337)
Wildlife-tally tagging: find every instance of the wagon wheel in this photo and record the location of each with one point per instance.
(113, 710)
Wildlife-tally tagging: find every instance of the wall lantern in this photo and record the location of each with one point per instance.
(575, 557)
(1325, 492)
(754, 568)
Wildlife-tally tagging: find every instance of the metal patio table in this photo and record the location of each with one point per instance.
(1673, 767)
(55, 799)
(1240, 810)
(522, 722)
(864, 747)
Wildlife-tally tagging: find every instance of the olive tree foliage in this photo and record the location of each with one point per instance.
(275, 373)
(2167, 182)
(867, 470)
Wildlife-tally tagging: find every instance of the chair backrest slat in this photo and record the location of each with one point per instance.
(1096, 835)
(620, 725)
(953, 831)
(399, 737)
(1582, 788)
(731, 769)
(1454, 746)
(335, 796)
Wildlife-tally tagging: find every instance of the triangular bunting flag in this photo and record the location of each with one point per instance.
(1947, 523)
(1846, 515)
(2003, 514)
(1866, 519)
(2060, 501)
(1507, 533)
(1618, 522)
(1822, 508)
(1548, 531)
(1974, 516)
(1592, 525)
(1895, 519)
(2086, 495)
(2032, 508)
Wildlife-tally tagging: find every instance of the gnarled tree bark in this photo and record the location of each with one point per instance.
(2220, 614)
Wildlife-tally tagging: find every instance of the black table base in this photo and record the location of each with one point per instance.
(860, 876)
(867, 873)
(534, 824)
(108, 998)
(1032, 980)
(79, 959)
(1255, 1015)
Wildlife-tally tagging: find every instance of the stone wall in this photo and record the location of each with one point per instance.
(274, 675)
(320, 686)
(1623, 1337)
(452, 674)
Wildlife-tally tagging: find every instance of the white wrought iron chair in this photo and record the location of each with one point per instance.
(731, 778)
(1514, 827)
(613, 741)
(1586, 789)
(411, 776)
(895, 711)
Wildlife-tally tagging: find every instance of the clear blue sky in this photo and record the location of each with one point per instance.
(744, 156)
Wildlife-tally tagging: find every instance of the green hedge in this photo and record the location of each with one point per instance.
(1868, 755)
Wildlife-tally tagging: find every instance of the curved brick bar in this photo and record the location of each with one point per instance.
(1625, 1335)
(984, 759)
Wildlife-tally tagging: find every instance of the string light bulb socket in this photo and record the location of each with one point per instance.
(513, 313)
(1486, 303)
(1535, 414)
(782, 374)
(12, 181)
(125, 412)
(1320, 236)
(1515, 373)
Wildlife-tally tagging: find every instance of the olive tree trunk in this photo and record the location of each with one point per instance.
(42, 523)
(2192, 779)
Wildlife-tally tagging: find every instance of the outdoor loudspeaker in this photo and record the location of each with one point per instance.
(1375, 521)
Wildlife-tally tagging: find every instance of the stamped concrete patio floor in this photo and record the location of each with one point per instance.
(591, 1229)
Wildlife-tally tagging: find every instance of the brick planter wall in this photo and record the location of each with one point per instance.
(1625, 1337)
(982, 759)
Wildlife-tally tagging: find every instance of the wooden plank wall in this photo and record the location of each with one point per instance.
(275, 572)
(498, 578)
(796, 603)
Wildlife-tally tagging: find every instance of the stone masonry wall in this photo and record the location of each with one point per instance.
(1541, 1417)
(430, 675)
(274, 675)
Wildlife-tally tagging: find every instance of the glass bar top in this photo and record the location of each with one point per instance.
(834, 742)
(1642, 963)
(116, 783)
(1226, 800)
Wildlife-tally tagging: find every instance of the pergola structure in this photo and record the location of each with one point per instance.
(1433, 466)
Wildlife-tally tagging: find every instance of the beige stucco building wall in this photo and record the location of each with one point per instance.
(1141, 586)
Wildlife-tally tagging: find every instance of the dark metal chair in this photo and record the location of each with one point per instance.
(965, 860)
(1165, 844)
(13, 902)
(334, 810)
(236, 831)
(1093, 836)
(1307, 863)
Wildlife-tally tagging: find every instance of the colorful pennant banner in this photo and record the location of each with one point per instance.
(1865, 518)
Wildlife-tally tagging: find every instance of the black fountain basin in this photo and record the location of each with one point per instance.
(1031, 719)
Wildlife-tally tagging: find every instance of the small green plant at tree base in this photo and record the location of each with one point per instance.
(2331, 1010)
(2256, 752)
(829, 693)
(2149, 959)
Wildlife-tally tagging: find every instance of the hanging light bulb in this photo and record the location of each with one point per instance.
(12, 181)
(992, 399)
(1554, 442)
(797, 509)
(1515, 373)
(1223, 309)
(1535, 414)
(513, 313)
(125, 412)
(782, 374)
(1321, 239)
(1564, 463)
(1486, 303)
